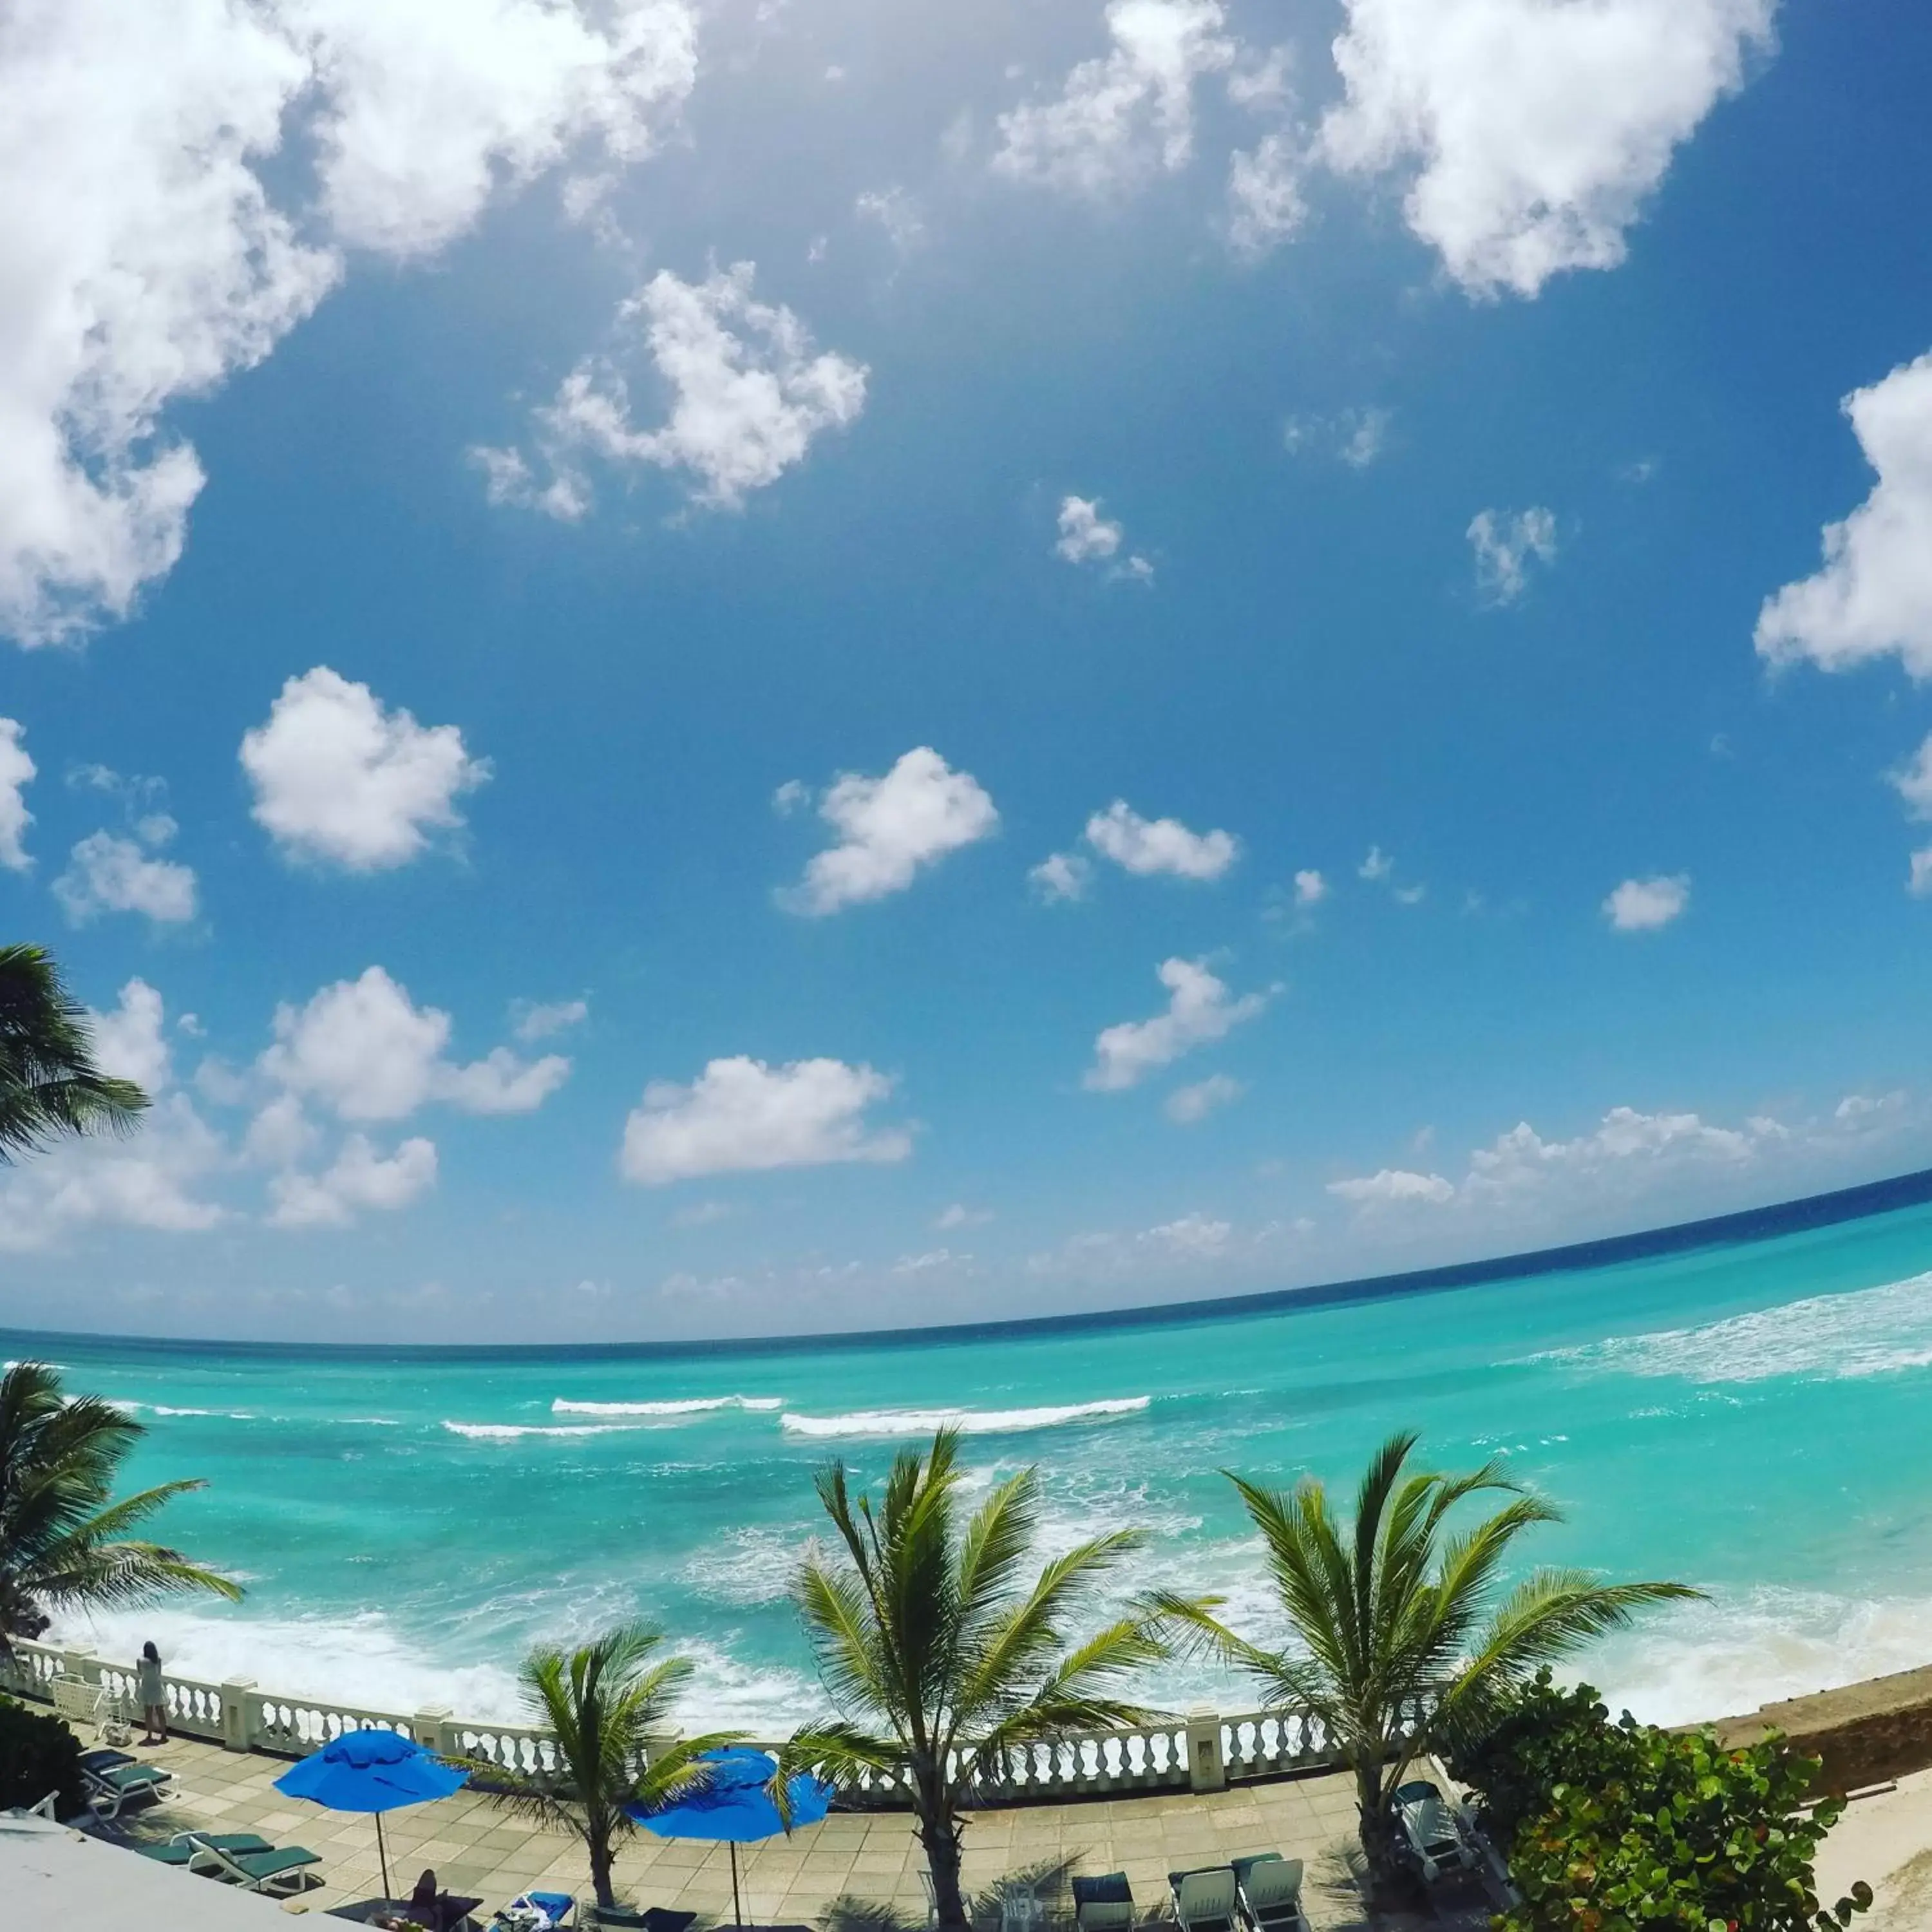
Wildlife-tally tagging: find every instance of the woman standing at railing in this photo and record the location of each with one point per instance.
(154, 1700)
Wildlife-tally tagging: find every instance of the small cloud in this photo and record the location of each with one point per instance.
(1392, 1186)
(1643, 905)
(1087, 537)
(1377, 867)
(895, 211)
(1200, 1009)
(1641, 471)
(1506, 544)
(1411, 895)
(106, 873)
(1186, 1105)
(1310, 889)
(1148, 846)
(531, 1022)
(1355, 437)
(1061, 877)
(959, 1215)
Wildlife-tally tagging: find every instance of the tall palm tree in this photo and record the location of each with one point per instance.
(605, 1703)
(64, 1544)
(942, 1655)
(1403, 1644)
(49, 1085)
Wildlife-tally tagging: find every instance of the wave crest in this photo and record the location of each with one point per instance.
(507, 1432)
(967, 1421)
(701, 1405)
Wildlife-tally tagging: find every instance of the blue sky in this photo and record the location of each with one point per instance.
(701, 670)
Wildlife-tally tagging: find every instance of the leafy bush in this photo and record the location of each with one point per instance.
(38, 1754)
(1609, 1828)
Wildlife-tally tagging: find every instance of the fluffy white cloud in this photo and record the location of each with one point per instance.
(740, 1114)
(1389, 1187)
(1534, 130)
(129, 1042)
(1086, 537)
(1310, 889)
(16, 770)
(1061, 877)
(358, 1177)
(1187, 1105)
(1505, 543)
(1522, 1160)
(106, 873)
(1128, 114)
(1642, 905)
(1874, 592)
(1147, 846)
(539, 1022)
(363, 1048)
(747, 394)
(151, 261)
(1200, 1009)
(339, 778)
(1265, 207)
(1378, 868)
(888, 829)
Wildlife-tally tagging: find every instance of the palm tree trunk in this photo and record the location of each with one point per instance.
(1377, 1831)
(598, 1844)
(939, 1834)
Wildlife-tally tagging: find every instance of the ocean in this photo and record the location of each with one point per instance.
(1751, 1413)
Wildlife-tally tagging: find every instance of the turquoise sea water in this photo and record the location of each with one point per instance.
(1754, 1416)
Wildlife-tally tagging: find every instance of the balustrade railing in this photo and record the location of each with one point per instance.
(1202, 1751)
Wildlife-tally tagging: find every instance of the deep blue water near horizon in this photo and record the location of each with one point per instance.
(1751, 1414)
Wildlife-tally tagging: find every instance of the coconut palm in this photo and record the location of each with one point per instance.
(64, 1544)
(605, 1703)
(49, 1085)
(1405, 1640)
(942, 1654)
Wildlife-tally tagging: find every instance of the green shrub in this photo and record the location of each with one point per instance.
(1625, 1828)
(38, 1754)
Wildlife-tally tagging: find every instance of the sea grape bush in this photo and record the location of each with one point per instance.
(38, 1754)
(1626, 1828)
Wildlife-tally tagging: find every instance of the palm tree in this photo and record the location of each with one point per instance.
(1403, 1644)
(63, 1545)
(49, 1083)
(603, 1703)
(942, 1657)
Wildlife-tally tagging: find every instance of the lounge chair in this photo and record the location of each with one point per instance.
(536, 1911)
(110, 1779)
(279, 1871)
(1430, 1828)
(180, 1848)
(1105, 1903)
(1271, 1892)
(1204, 1901)
(78, 1702)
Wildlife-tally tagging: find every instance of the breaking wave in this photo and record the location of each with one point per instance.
(967, 1421)
(687, 1406)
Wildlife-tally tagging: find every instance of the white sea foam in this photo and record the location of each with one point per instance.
(967, 1421)
(689, 1405)
(508, 1432)
(1873, 1331)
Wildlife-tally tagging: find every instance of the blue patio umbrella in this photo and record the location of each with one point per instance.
(733, 1807)
(374, 1771)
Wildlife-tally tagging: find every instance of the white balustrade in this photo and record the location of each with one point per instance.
(1153, 1757)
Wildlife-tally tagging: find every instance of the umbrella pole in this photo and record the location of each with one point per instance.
(382, 1857)
(737, 1910)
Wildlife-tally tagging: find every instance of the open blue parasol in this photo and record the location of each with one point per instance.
(733, 1806)
(375, 1770)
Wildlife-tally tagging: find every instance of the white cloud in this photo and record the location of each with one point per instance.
(1356, 437)
(16, 770)
(742, 1114)
(896, 212)
(281, 1135)
(1642, 905)
(1265, 206)
(747, 395)
(1377, 867)
(363, 1048)
(358, 1177)
(106, 873)
(1873, 595)
(1127, 115)
(1061, 877)
(959, 1215)
(1187, 1105)
(1087, 537)
(129, 1042)
(1505, 544)
(151, 262)
(1199, 1009)
(1522, 1160)
(1145, 846)
(889, 828)
(534, 1022)
(339, 778)
(1392, 1186)
(1310, 889)
(1533, 130)
(1918, 883)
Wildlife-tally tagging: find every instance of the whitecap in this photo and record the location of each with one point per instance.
(686, 1405)
(506, 1432)
(967, 1421)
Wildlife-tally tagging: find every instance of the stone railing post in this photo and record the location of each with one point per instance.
(236, 1728)
(429, 1724)
(80, 1664)
(1205, 1771)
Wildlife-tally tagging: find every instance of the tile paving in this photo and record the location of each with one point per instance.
(478, 1848)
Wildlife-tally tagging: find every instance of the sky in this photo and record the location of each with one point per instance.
(680, 669)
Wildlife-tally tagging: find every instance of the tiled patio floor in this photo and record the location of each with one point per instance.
(478, 1848)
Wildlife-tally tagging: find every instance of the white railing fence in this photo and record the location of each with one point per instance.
(1205, 1751)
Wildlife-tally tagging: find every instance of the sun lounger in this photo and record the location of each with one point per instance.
(1105, 1903)
(1431, 1830)
(536, 1911)
(1270, 1887)
(279, 1871)
(1204, 1901)
(110, 1779)
(180, 1848)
